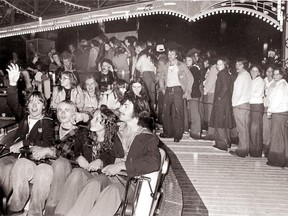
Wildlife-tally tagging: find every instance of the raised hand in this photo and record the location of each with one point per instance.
(13, 74)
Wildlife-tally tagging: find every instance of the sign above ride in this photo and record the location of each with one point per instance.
(190, 10)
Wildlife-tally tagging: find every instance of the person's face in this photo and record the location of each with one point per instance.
(172, 56)
(123, 89)
(277, 76)
(254, 72)
(67, 62)
(138, 49)
(14, 55)
(126, 42)
(220, 65)
(136, 88)
(126, 111)
(105, 67)
(206, 63)
(269, 72)
(65, 81)
(35, 107)
(107, 47)
(56, 58)
(90, 85)
(97, 123)
(189, 61)
(71, 47)
(196, 56)
(239, 66)
(65, 112)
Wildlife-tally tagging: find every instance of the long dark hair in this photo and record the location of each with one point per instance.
(109, 120)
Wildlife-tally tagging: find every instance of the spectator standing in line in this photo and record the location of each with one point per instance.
(278, 112)
(241, 106)
(194, 118)
(209, 89)
(176, 83)
(256, 112)
(146, 70)
(269, 85)
(222, 119)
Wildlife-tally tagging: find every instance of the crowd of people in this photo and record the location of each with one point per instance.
(98, 107)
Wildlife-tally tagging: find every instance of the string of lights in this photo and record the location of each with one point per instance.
(133, 11)
(74, 5)
(19, 10)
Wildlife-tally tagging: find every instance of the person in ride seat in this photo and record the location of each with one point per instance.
(36, 131)
(136, 151)
(92, 151)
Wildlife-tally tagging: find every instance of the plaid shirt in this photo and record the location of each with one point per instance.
(65, 146)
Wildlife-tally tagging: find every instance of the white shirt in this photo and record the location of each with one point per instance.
(144, 63)
(172, 76)
(279, 98)
(267, 91)
(242, 89)
(257, 92)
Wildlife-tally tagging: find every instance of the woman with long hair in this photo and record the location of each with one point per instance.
(68, 90)
(91, 94)
(92, 149)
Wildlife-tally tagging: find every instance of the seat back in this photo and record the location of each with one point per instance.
(148, 193)
(8, 139)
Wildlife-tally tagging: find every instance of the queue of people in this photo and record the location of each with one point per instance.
(103, 110)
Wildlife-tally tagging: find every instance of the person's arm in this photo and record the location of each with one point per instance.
(210, 80)
(12, 93)
(54, 97)
(276, 97)
(79, 98)
(189, 80)
(148, 162)
(223, 85)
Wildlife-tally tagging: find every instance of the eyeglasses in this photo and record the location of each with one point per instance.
(64, 78)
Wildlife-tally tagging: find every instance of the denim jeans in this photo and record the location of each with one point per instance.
(242, 115)
(26, 172)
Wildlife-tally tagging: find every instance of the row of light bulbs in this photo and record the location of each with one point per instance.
(53, 25)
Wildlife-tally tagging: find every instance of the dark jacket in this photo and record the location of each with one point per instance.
(222, 113)
(143, 156)
(195, 70)
(83, 146)
(42, 133)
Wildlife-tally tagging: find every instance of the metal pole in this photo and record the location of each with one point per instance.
(284, 37)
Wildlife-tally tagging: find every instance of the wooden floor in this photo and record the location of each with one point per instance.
(228, 185)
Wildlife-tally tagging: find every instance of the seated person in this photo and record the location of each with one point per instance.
(91, 94)
(68, 90)
(136, 151)
(34, 130)
(47, 180)
(107, 76)
(92, 152)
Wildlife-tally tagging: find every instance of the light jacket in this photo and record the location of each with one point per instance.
(185, 78)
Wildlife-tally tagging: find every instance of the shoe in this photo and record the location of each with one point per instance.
(176, 140)
(220, 148)
(209, 137)
(234, 153)
(162, 135)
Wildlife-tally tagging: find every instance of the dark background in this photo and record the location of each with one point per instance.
(232, 35)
